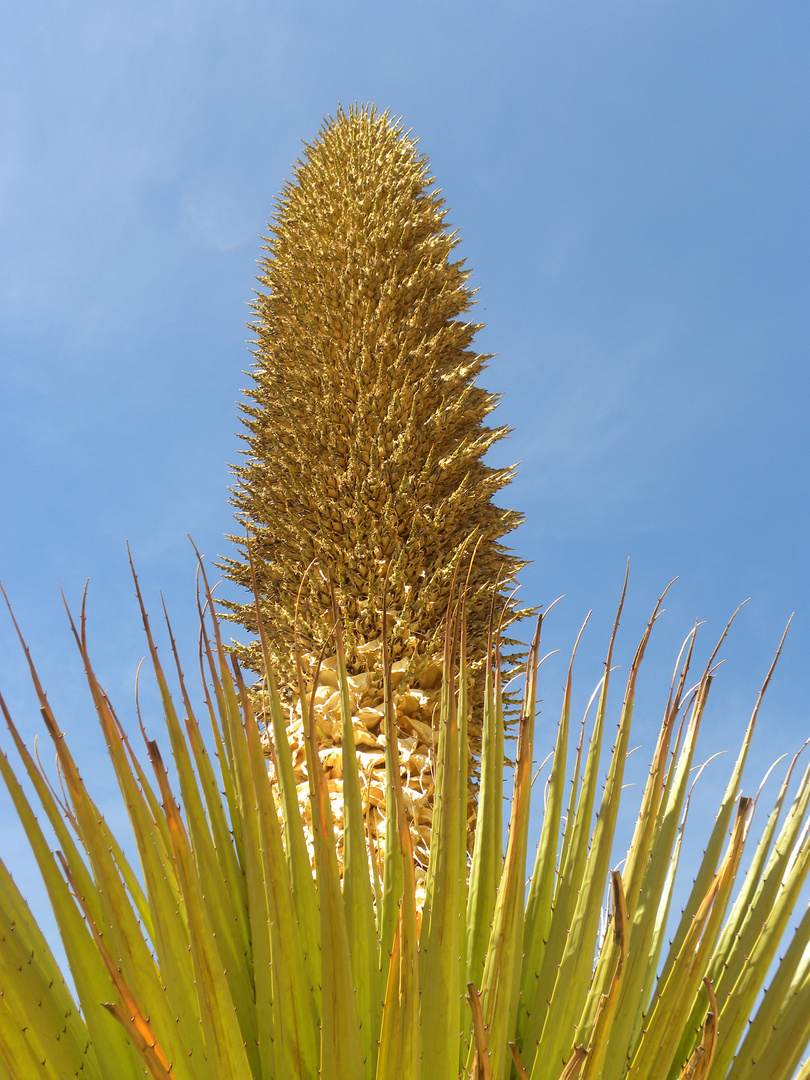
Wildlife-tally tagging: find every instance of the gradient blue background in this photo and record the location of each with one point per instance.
(630, 181)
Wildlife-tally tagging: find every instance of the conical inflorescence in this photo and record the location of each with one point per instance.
(366, 432)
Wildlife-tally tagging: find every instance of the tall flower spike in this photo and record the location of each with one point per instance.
(365, 427)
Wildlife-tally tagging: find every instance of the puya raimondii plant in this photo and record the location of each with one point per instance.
(321, 888)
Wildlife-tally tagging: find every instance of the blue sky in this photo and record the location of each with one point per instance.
(630, 182)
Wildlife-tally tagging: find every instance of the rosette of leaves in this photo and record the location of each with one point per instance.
(224, 955)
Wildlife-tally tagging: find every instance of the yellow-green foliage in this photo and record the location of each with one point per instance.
(365, 427)
(225, 957)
